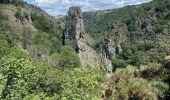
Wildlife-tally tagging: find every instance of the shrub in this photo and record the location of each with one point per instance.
(82, 84)
(17, 74)
(40, 22)
(118, 63)
(48, 81)
(152, 71)
(68, 58)
(4, 48)
(17, 52)
(15, 2)
(125, 85)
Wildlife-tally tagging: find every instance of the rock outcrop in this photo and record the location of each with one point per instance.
(108, 50)
(167, 62)
(75, 36)
(167, 58)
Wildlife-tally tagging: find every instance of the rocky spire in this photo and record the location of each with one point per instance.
(75, 36)
(74, 30)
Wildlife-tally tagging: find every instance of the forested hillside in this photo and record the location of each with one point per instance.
(142, 31)
(35, 64)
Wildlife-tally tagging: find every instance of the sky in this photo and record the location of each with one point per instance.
(60, 7)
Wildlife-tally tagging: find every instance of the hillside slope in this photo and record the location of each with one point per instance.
(143, 33)
(141, 30)
(35, 64)
(31, 29)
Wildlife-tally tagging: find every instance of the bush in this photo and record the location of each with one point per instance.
(68, 58)
(4, 48)
(17, 73)
(40, 22)
(17, 52)
(152, 72)
(82, 84)
(125, 85)
(118, 63)
(18, 2)
(15, 2)
(131, 54)
(21, 15)
(48, 81)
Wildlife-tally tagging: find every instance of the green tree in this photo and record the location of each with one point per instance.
(48, 81)
(82, 84)
(16, 75)
(68, 58)
(17, 52)
(4, 48)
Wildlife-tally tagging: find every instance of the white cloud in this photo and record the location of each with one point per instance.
(60, 7)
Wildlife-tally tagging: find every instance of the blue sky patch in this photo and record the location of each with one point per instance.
(60, 7)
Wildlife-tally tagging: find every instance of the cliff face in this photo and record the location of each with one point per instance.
(74, 29)
(75, 36)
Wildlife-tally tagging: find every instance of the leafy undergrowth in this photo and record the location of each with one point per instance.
(22, 79)
(135, 84)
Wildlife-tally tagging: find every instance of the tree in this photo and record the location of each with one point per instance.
(68, 58)
(82, 84)
(17, 52)
(48, 81)
(16, 2)
(16, 74)
(4, 48)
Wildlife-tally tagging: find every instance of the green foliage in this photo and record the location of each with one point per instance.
(17, 52)
(22, 79)
(125, 84)
(144, 27)
(153, 72)
(82, 84)
(131, 54)
(15, 2)
(68, 58)
(21, 15)
(18, 2)
(8, 30)
(40, 22)
(4, 48)
(5, 1)
(17, 74)
(118, 63)
(54, 31)
(48, 81)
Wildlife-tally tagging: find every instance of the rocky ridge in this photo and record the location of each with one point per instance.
(75, 36)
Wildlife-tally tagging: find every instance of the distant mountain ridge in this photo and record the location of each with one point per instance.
(143, 26)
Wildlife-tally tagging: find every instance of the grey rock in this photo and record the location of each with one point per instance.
(75, 36)
(107, 50)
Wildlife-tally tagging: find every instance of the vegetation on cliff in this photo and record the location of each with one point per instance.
(141, 30)
(35, 65)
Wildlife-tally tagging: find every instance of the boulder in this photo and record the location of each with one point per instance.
(167, 62)
(167, 58)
